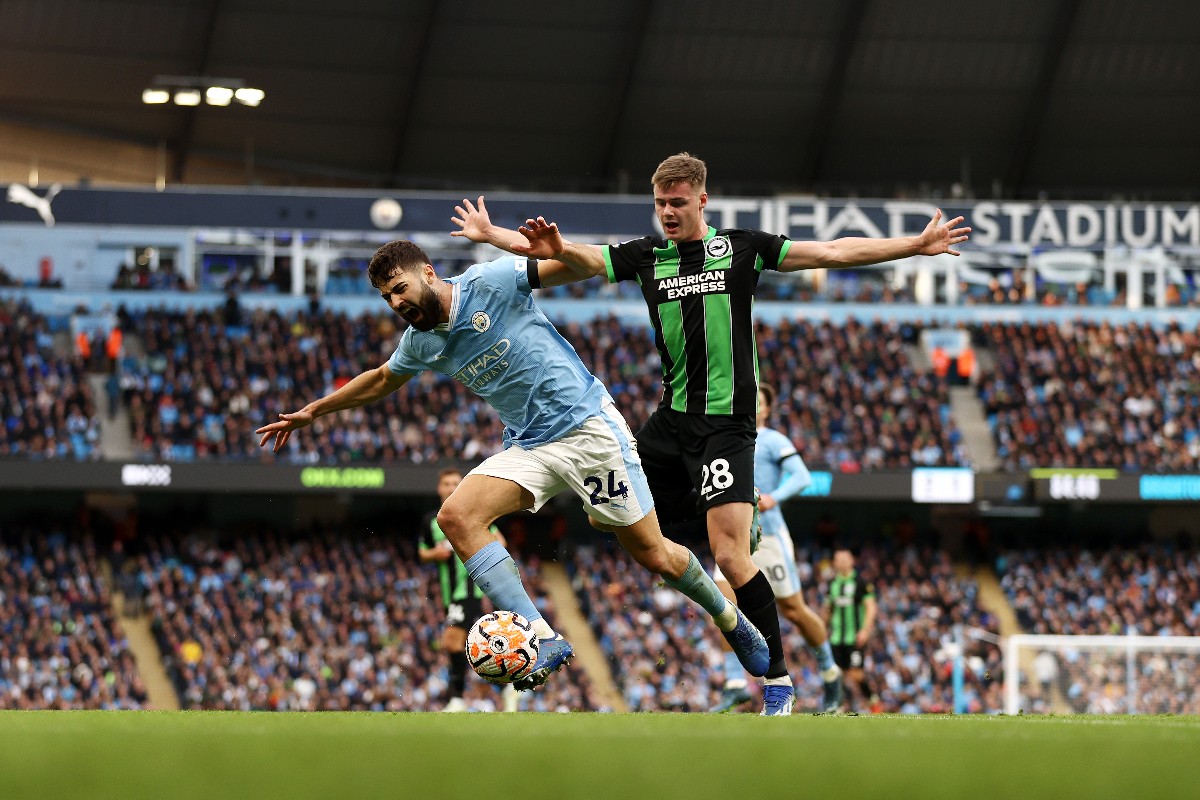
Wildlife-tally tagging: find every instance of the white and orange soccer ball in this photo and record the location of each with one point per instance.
(502, 647)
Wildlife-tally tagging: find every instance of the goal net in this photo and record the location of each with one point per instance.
(1102, 674)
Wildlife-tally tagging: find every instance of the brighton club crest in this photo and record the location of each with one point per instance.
(717, 247)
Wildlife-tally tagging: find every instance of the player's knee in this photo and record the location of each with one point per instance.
(453, 520)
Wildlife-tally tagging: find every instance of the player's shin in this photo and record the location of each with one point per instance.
(696, 584)
(757, 602)
(495, 572)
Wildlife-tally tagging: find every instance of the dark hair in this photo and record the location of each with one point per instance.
(769, 393)
(450, 471)
(393, 256)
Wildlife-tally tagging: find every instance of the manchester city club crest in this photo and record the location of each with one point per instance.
(480, 321)
(717, 247)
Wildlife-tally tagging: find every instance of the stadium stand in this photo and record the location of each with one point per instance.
(60, 645)
(320, 621)
(46, 405)
(909, 659)
(1088, 394)
(1151, 591)
(665, 655)
(858, 403)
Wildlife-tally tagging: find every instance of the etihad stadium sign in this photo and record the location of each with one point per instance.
(994, 223)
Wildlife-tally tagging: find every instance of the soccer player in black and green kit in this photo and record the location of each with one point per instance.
(461, 597)
(698, 283)
(850, 610)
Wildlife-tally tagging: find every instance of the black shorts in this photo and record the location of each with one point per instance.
(463, 613)
(694, 462)
(847, 656)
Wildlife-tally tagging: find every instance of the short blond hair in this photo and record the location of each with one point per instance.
(680, 167)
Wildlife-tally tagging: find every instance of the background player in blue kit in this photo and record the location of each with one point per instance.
(561, 431)
(780, 474)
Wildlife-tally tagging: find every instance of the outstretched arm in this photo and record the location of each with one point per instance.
(366, 388)
(852, 251)
(560, 261)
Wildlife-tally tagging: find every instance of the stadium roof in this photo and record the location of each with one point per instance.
(1070, 97)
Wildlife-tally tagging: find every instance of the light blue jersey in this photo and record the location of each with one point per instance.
(780, 472)
(501, 346)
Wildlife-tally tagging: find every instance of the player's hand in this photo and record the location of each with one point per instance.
(940, 237)
(281, 431)
(860, 640)
(766, 502)
(473, 220)
(542, 239)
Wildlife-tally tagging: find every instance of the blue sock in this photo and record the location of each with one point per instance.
(494, 571)
(823, 654)
(696, 584)
(734, 671)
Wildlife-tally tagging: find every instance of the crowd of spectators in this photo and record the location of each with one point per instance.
(204, 385)
(909, 658)
(851, 399)
(47, 409)
(1150, 591)
(60, 645)
(321, 621)
(1091, 394)
(661, 647)
(665, 654)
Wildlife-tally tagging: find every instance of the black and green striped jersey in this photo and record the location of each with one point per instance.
(456, 583)
(700, 295)
(847, 596)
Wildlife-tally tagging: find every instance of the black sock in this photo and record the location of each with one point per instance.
(757, 602)
(458, 673)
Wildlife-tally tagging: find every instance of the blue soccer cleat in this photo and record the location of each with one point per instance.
(733, 695)
(749, 646)
(778, 700)
(553, 655)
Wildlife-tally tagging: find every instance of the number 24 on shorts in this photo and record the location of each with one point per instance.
(615, 488)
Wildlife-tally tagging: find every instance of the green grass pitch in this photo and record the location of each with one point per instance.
(565, 756)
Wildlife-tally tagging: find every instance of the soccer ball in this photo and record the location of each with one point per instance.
(502, 647)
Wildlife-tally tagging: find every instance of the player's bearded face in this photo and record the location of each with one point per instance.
(428, 306)
(412, 297)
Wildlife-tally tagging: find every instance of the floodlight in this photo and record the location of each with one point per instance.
(187, 97)
(218, 95)
(249, 97)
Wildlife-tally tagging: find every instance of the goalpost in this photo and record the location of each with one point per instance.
(1102, 674)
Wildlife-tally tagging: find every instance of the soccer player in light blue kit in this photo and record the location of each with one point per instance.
(780, 474)
(561, 431)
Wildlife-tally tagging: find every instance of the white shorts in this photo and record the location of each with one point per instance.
(776, 557)
(598, 461)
